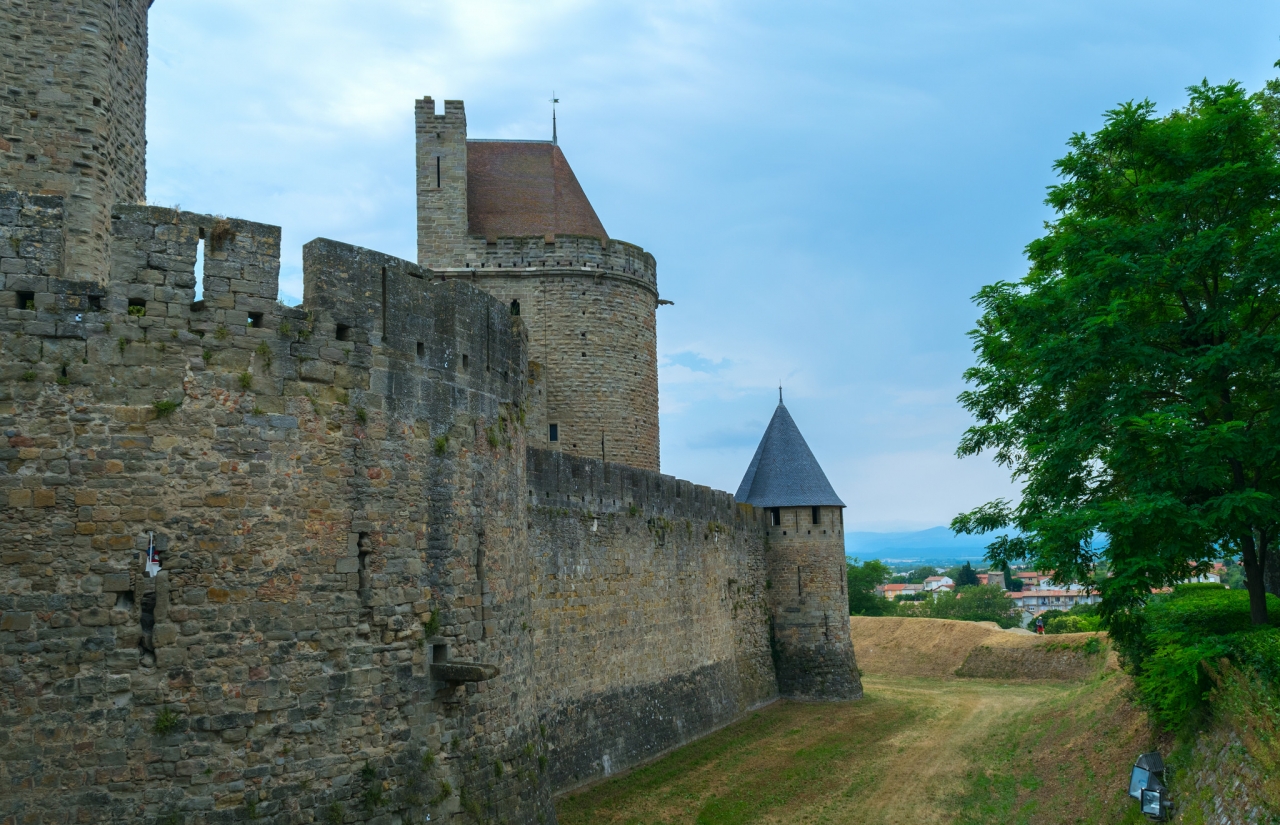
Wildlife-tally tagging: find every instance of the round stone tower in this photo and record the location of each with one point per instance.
(804, 521)
(73, 113)
(510, 217)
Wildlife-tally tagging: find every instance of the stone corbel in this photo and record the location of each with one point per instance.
(455, 673)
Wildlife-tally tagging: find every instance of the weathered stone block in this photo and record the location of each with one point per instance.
(14, 620)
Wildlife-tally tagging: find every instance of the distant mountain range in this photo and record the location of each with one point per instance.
(933, 545)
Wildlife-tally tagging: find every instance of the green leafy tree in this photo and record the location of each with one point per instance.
(918, 575)
(863, 580)
(966, 576)
(974, 604)
(1131, 378)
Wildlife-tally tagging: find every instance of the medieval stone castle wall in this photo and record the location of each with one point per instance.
(381, 597)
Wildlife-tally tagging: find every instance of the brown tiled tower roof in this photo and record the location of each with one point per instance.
(522, 188)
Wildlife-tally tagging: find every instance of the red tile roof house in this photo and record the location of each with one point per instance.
(893, 591)
(936, 582)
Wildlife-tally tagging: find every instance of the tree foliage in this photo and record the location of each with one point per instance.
(972, 604)
(966, 576)
(863, 580)
(1130, 380)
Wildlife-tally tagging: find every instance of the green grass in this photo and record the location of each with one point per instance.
(966, 751)
(765, 763)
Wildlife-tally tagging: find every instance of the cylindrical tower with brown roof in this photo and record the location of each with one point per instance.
(73, 114)
(511, 217)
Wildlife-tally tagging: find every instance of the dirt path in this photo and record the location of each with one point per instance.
(957, 719)
(899, 757)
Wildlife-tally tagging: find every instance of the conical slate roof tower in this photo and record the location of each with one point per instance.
(784, 472)
(804, 521)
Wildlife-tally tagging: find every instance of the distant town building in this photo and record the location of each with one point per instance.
(994, 577)
(1033, 602)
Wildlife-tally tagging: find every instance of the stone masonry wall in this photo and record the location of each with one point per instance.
(377, 602)
(812, 649)
(597, 339)
(590, 312)
(341, 533)
(73, 77)
(649, 612)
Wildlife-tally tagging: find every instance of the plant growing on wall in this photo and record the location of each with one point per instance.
(166, 722)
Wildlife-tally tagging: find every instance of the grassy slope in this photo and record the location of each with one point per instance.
(916, 750)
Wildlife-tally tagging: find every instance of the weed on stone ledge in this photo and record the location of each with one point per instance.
(165, 408)
(166, 722)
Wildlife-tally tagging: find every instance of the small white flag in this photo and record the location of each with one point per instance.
(153, 557)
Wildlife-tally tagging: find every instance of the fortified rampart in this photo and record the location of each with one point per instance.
(372, 599)
(384, 593)
(340, 531)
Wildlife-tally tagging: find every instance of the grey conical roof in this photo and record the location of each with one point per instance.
(784, 472)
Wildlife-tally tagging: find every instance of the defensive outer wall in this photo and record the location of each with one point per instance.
(383, 596)
(377, 601)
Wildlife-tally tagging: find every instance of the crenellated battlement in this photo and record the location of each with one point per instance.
(589, 485)
(356, 301)
(562, 255)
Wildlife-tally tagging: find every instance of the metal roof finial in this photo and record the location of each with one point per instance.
(554, 100)
(779, 392)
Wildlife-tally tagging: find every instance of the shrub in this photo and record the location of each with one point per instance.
(441, 444)
(246, 380)
(1073, 624)
(1168, 645)
(1049, 616)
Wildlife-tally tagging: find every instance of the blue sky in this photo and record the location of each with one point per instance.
(824, 184)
